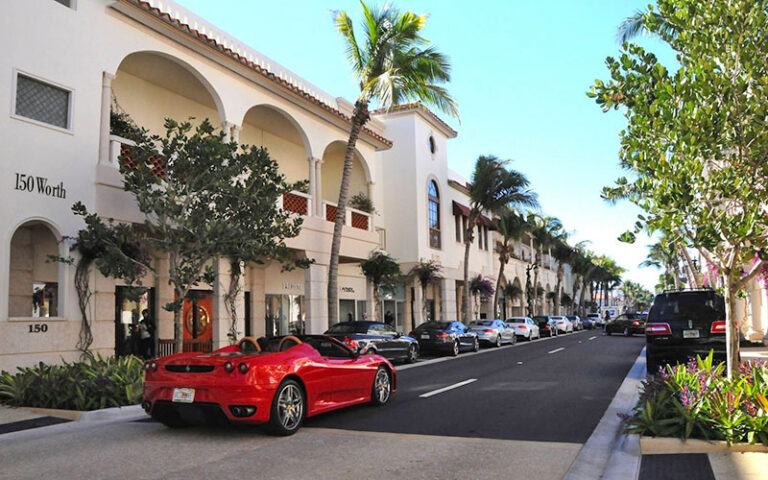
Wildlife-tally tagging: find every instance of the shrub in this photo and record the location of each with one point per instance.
(360, 201)
(697, 401)
(96, 383)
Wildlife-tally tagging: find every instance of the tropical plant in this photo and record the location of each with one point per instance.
(545, 231)
(392, 63)
(494, 187)
(562, 253)
(382, 271)
(427, 272)
(95, 383)
(362, 202)
(480, 286)
(511, 226)
(663, 255)
(512, 292)
(695, 139)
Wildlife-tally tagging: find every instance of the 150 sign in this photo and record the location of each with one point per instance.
(38, 328)
(41, 185)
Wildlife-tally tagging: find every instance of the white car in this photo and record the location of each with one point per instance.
(524, 327)
(563, 324)
(597, 319)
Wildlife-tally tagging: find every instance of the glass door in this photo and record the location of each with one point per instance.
(130, 302)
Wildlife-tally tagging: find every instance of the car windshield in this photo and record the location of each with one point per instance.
(482, 323)
(434, 326)
(516, 320)
(348, 328)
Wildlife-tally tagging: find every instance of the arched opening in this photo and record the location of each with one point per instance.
(34, 279)
(433, 206)
(151, 86)
(331, 172)
(516, 297)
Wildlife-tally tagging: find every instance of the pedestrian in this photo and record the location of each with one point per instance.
(146, 335)
(389, 318)
(606, 317)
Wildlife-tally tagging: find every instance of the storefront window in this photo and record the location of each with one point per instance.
(285, 314)
(130, 303)
(33, 286)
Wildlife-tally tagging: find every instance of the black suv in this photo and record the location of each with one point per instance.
(683, 324)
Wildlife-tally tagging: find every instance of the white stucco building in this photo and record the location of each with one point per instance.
(150, 59)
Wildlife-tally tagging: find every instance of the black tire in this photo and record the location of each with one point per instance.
(381, 390)
(289, 398)
(456, 348)
(476, 345)
(498, 341)
(413, 354)
(627, 333)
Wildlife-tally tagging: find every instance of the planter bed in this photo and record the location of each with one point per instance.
(667, 445)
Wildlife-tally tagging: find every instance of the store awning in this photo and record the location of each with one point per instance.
(463, 210)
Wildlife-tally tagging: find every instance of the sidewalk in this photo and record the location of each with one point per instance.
(16, 419)
(624, 460)
(13, 419)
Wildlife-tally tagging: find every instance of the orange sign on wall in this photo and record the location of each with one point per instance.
(198, 326)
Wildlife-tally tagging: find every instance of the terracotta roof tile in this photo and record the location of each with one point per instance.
(404, 107)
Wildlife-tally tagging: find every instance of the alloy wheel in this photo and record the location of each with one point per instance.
(382, 387)
(290, 407)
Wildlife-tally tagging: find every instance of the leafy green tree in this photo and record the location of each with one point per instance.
(392, 63)
(695, 141)
(382, 271)
(511, 226)
(512, 293)
(563, 253)
(480, 286)
(494, 187)
(203, 198)
(427, 272)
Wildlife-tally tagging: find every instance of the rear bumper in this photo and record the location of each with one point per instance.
(681, 352)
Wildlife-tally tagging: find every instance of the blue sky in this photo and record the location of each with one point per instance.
(521, 70)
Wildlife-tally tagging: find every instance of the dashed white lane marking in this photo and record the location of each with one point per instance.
(449, 387)
(556, 350)
(592, 338)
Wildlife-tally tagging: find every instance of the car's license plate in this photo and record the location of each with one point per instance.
(425, 337)
(184, 395)
(690, 334)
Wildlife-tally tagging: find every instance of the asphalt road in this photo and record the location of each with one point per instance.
(509, 409)
(552, 390)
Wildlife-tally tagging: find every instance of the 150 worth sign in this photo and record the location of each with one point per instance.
(41, 185)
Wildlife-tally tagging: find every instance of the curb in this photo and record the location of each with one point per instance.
(609, 453)
(105, 414)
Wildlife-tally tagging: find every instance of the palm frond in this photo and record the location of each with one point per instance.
(345, 27)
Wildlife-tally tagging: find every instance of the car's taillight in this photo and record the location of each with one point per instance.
(635, 323)
(546, 325)
(229, 367)
(657, 329)
(522, 326)
(488, 330)
(350, 343)
(718, 327)
(442, 335)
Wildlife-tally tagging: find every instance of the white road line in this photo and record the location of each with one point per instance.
(449, 387)
(556, 350)
(592, 338)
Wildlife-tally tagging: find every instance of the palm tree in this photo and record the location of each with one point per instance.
(382, 271)
(545, 231)
(427, 272)
(512, 292)
(480, 286)
(663, 255)
(392, 63)
(563, 253)
(638, 23)
(493, 188)
(511, 227)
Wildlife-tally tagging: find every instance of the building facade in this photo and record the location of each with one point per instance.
(84, 60)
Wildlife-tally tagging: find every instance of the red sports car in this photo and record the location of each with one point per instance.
(276, 381)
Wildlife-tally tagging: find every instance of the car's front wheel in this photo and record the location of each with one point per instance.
(476, 345)
(382, 387)
(627, 333)
(288, 409)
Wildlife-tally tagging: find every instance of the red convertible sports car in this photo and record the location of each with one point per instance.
(274, 381)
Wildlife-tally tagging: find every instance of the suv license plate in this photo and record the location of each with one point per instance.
(690, 334)
(425, 337)
(184, 395)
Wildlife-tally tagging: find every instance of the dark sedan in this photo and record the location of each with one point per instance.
(627, 324)
(451, 337)
(378, 338)
(547, 325)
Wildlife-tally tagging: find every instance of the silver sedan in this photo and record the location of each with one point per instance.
(494, 332)
(524, 327)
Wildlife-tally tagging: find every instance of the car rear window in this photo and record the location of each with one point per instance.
(705, 306)
(516, 320)
(348, 328)
(434, 326)
(485, 323)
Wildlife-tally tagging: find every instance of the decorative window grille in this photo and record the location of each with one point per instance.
(41, 101)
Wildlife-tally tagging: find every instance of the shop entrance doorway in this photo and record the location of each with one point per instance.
(130, 302)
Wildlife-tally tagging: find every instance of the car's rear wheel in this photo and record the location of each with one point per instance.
(413, 354)
(382, 387)
(455, 348)
(498, 341)
(476, 345)
(288, 409)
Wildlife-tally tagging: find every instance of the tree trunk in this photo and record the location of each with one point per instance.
(178, 337)
(502, 261)
(359, 118)
(731, 327)
(465, 293)
(536, 285)
(693, 282)
(423, 302)
(558, 297)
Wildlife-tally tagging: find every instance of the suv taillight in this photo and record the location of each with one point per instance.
(657, 329)
(718, 327)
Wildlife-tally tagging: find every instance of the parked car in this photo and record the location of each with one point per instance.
(493, 332)
(588, 323)
(627, 324)
(683, 324)
(524, 327)
(450, 337)
(277, 382)
(546, 324)
(563, 324)
(597, 320)
(578, 325)
(375, 337)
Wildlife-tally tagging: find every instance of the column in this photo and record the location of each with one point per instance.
(370, 195)
(258, 300)
(106, 105)
(755, 330)
(448, 299)
(370, 301)
(222, 315)
(236, 133)
(418, 304)
(226, 127)
(316, 293)
(319, 207)
(312, 184)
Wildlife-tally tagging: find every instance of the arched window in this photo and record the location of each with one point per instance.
(434, 215)
(34, 287)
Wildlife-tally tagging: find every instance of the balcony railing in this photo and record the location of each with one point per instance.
(165, 346)
(120, 147)
(356, 218)
(296, 202)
